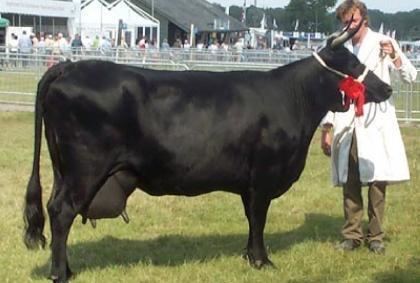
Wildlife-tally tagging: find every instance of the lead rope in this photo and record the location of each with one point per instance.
(353, 89)
(360, 79)
(323, 64)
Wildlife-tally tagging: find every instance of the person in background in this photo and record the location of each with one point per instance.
(367, 150)
(87, 44)
(165, 44)
(177, 43)
(142, 43)
(25, 48)
(106, 46)
(13, 50)
(76, 44)
(186, 44)
(200, 45)
(41, 46)
(35, 42)
(49, 42)
(96, 42)
(63, 44)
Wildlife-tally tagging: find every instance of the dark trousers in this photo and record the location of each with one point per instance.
(353, 203)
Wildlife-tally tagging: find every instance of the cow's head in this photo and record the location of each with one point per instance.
(341, 62)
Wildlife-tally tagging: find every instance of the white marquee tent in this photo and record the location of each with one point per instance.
(98, 18)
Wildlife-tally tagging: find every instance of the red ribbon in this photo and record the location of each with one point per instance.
(354, 92)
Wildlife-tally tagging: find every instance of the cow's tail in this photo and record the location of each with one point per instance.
(34, 216)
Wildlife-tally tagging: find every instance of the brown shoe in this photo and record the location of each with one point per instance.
(348, 245)
(377, 247)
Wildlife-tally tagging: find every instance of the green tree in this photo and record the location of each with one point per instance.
(235, 12)
(313, 15)
(281, 18)
(318, 15)
(405, 24)
(254, 16)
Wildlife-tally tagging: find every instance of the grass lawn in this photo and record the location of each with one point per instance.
(201, 239)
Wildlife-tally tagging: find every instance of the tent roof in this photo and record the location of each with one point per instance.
(100, 12)
(4, 22)
(201, 13)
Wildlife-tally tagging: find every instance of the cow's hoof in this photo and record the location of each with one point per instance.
(35, 242)
(93, 223)
(57, 279)
(125, 217)
(266, 263)
(258, 263)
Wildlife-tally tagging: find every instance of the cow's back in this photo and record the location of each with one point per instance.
(178, 131)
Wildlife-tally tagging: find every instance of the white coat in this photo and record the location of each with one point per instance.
(380, 147)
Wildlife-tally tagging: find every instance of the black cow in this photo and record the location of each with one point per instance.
(111, 128)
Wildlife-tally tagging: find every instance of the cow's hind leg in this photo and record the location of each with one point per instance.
(62, 215)
(256, 207)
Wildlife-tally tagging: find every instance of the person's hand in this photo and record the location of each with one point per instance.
(387, 49)
(326, 142)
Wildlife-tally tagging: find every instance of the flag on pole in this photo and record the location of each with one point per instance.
(381, 29)
(297, 25)
(393, 34)
(263, 22)
(275, 24)
(243, 16)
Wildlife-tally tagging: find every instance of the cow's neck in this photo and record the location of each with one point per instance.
(307, 81)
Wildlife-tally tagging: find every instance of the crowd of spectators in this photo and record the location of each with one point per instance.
(23, 48)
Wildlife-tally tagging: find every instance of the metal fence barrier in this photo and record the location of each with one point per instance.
(20, 73)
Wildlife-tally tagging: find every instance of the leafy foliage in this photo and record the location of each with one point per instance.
(319, 15)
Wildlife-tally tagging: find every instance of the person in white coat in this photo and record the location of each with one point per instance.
(367, 149)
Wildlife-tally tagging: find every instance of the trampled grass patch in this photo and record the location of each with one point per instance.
(201, 239)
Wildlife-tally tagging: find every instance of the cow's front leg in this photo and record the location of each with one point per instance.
(256, 207)
(61, 218)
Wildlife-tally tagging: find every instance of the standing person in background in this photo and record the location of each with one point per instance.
(177, 43)
(87, 44)
(13, 50)
(142, 43)
(49, 42)
(76, 45)
(25, 47)
(35, 42)
(41, 46)
(106, 46)
(96, 43)
(165, 44)
(63, 44)
(367, 149)
(186, 44)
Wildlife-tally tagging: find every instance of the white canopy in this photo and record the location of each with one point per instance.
(45, 8)
(100, 18)
(132, 15)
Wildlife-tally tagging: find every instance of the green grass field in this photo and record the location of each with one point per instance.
(201, 239)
